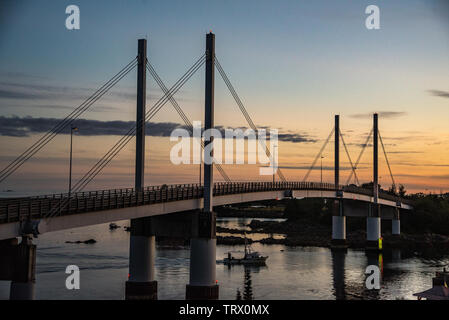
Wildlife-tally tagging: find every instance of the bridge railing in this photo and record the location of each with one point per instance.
(38, 207)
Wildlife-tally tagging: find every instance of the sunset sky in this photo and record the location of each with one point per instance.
(295, 64)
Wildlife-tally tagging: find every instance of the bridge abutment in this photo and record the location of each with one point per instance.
(142, 251)
(18, 264)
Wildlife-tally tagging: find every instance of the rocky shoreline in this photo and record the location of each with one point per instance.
(306, 234)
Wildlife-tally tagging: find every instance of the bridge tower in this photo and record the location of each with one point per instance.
(141, 284)
(203, 242)
(373, 222)
(338, 218)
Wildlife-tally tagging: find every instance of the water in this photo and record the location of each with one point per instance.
(291, 272)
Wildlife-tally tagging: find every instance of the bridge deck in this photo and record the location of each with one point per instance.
(41, 207)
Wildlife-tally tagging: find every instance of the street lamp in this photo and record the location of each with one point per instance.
(322, 169)
(72, 129)
(273, 164)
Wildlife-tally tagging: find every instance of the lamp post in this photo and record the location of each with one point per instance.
(274, 157)
(70, 170)
(321, 171)
(201, 159)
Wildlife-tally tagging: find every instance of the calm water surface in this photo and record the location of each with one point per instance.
(291, 272)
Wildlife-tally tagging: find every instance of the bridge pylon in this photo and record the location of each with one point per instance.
(203, 284)
(141, 284)
(373, 221)
(338, 217)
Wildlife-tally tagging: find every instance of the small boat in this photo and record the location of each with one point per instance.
(250, 257)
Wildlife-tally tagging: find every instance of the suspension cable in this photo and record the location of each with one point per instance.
(123, 141)
(318, 155)
(46, 138)
(96, 169)
(182, 114)
(386, 159)
(360, 155)
(350, 160)
(244, 111)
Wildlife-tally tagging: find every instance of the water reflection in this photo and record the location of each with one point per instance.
(291, 272)
(345, 287)
(247, 286)
(373, 259)
(396, 255)
(338, 274)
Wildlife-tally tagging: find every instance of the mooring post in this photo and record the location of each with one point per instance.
(202, 284)
(141, 284)
(338, 218)
(373, 223)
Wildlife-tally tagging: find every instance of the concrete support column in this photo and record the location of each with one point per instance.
(23, 264)
(373, 222)
(142, 251)
(202, 284)
(373, 227)
(396, 224)
(202, 262)
(338, 218)
(338, 226)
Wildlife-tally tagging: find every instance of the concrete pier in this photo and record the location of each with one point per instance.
(373, 228)
(338, 226)
(202, 284)
(142, 251)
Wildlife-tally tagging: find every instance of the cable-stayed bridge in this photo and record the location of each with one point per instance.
(151, 209)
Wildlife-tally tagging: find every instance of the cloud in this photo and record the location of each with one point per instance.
(438, 177)
(325, 168)
(382, 114)
(8, 94)
(439, 93)
(23, 127)
(405, 152)
(26, 126)
(295, 138)
(410, 164)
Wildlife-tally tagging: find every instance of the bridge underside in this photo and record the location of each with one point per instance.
(358, 207)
